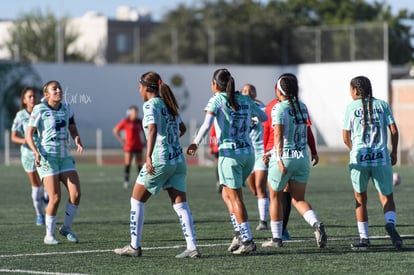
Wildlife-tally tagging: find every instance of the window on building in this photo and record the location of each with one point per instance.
(122, 43)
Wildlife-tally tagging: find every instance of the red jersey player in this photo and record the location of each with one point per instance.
(131, 140)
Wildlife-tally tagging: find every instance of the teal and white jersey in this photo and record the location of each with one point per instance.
(20, 123)
(256, 132)
(232, 127)
(167, 149)
(369, 143)
(295, 136)
(53, 128)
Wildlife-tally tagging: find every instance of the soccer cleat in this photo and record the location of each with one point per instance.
(395, 237)
(50, 240)
(126, 185)
(273, 242)
(68, 234)
(245, 248)
(235, 244)
(320, 235)
(129, 251)
(360, 244)
(189, 254)
(286, 236)
(40, 220)
(261, 226)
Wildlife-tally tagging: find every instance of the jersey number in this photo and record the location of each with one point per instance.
(60, 124)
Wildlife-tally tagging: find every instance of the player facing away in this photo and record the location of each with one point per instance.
(289, 162)
(257, 180)
(268, 139)
(18, 130)
(164, 166)
(54, 121)
(132, 143)
(232, 113)
(366, 123)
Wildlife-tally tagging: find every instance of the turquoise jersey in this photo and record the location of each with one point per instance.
(369, 143)
(167, 149)
(256, 132)
(53, 128)
(20, 123)
(295, 135)
(233, 127)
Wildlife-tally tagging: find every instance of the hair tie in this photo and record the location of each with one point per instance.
(159, 82)
(280, 87)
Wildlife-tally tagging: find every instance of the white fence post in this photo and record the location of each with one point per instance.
(7, 147)
(99, 146)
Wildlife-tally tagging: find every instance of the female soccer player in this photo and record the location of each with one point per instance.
(164, 167)
(268, 138)
(365, 134)
(232, 113)
(54, 121)
(20, 122)
(132, 127)
(258, 178)
(289, 162)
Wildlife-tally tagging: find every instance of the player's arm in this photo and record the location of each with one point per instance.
(73, 130)
(152, 136)
(394, 142)
(312, 146)
(30, 142)
(15, 138)
(204, 129)
(117, 134)
(278, 148)
(183, 129)
(346, 136)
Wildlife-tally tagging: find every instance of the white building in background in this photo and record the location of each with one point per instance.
(101, 39)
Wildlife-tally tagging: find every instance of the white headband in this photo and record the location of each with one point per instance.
(280, 87)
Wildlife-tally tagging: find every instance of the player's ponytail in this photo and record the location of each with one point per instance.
(288, 85)
(155, 84)
(168, 98)
(225, 81)
(364, 89)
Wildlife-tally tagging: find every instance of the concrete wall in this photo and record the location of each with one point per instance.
(100, 95)
(403, 109)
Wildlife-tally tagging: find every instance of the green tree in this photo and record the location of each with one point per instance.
(348, 12)
(249, 32)
(34, 38)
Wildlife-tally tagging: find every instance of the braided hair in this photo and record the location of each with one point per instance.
(288, 86)
(225, 81)
(363, 87)
(154, 83)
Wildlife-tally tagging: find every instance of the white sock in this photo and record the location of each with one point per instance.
(37, 194)
(70, 214)
(234, 223)
(310, 217)
(277, 229)
(187, 224)
(245, 232)
(390, 217)
(363, 230)
(136, 222)
(50, 222)
(263, 205)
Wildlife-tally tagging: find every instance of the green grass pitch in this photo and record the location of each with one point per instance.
(102, 224)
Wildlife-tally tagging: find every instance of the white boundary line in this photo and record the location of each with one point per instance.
(37, 272)
(180, 246)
